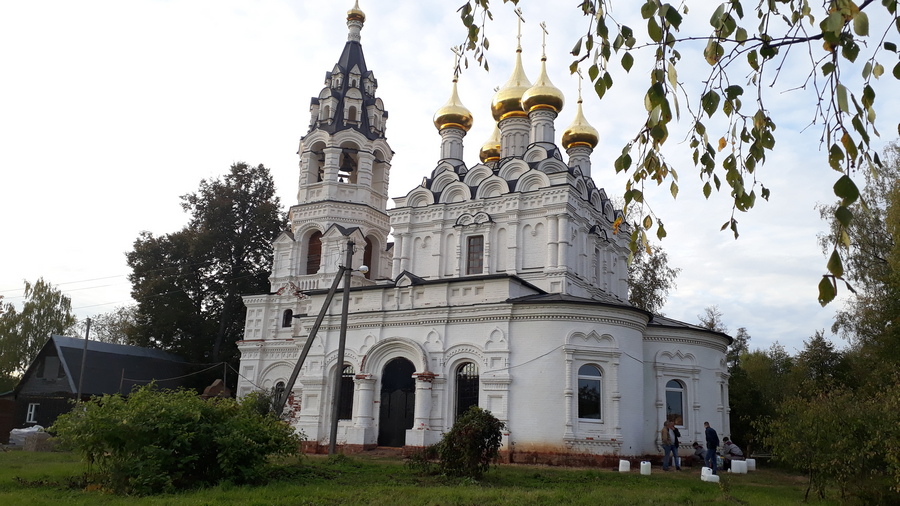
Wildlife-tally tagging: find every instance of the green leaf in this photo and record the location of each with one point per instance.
(674, 18)
(835, 266)
(648, 9)
(577, 49)
(654, 30)
(842, 98)
(673, 189)
(846, 189)
(890, 46)
(710, 102)
(861, 24)
(843, 215)
(627, 61)
(707, 189)
(897, 71)
(660, 231)
(836, 157)
(827, 291)
(593, 72)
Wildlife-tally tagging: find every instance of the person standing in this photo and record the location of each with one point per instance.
(669, 437)
(712, 442)
(676, 435)
(665, 436)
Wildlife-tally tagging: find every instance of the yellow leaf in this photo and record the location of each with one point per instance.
(722, 143)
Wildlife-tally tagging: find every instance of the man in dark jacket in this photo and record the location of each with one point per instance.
(712, 442)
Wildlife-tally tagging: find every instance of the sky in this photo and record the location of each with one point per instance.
(111, 110)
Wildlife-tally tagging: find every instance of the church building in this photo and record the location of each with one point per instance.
(503, 285)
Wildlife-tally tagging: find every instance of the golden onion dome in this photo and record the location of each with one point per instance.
(543, 95)
(490, 150)
(580, 132)
(356, 14)
(507, 102)
(453, 114)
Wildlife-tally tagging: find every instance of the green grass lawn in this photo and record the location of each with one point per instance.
(54, 478)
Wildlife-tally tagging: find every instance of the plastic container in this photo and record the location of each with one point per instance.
(705, 471)
(739, 466)
(645, 468)
(751, 464)
(624, 466)
(712, 478)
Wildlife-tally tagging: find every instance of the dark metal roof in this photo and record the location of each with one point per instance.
(112, 368)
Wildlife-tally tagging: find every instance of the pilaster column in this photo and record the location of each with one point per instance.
(423, 401)
(569, 394)
(563, 241)
(552, 241)
(365, 394)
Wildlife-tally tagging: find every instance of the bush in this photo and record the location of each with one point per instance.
(470, 446)
(848, 439)
(157, 441)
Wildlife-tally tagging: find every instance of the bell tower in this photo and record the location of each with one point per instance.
(345, 164)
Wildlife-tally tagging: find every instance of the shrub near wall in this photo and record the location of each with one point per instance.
(157, 441)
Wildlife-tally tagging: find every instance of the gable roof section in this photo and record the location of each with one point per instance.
(110, 368)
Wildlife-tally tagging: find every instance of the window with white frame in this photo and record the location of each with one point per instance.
(589, 398)
(475, 254)
(32, 413)
(675, 402)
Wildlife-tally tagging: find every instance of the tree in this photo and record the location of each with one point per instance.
(188, 284)
(45, 311)
(114, 326)
(870, 320)
(830, 41)
(739, 346)
(712, 319)
(819, 367)
(650, 279)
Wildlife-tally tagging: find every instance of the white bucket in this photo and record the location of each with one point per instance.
(624, 466)
(739, 466)
(712, 478)
(751, 464)
(645, 468)
(705, 471)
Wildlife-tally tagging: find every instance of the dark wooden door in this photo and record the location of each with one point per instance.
(398, 402)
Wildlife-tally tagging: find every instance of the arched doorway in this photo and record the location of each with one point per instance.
(398, 402)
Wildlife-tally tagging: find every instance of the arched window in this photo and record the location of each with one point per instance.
(287, 319)
(314, 253)
(466, 387)
(367, 257)
(675, 402)
(279, 391)
(589, 392)
(345, 410)
(351, 114)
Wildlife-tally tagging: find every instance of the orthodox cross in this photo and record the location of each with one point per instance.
(544, 39)
(457, 58)
(518, 12)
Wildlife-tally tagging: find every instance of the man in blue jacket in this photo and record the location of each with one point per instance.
(712, 442)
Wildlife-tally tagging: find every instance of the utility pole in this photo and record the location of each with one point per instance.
(87, 332)
(342, 341)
